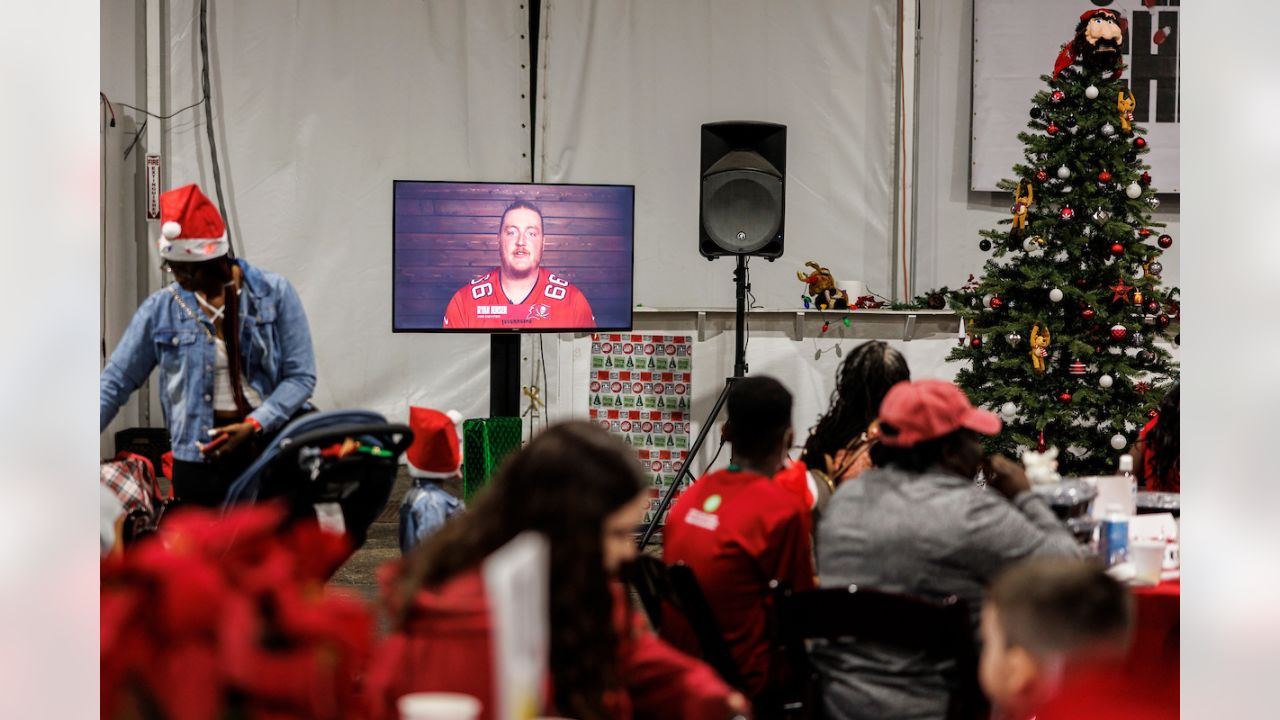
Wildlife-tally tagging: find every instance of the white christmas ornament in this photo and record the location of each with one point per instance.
(1119, 441)
(1008, 410)
(1134, 190)
(1066, 189)
(1063, 172)
(1091, 92)
(1055, 295)
(1105, 381)
(986, 300)
(1108, 130)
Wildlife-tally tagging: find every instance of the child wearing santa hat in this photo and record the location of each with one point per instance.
(433, 458)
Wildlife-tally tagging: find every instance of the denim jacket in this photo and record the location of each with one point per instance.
(275, 346)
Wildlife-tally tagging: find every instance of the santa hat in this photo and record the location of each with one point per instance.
(435, 452)
(191, 227)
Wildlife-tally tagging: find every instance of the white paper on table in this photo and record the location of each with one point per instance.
(517, 584)
(1114, 490)
(1153, 526)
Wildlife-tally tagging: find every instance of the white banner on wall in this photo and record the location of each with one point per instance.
(1016, 41)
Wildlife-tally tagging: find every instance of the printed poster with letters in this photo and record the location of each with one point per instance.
(1017, 41)
(641, 390)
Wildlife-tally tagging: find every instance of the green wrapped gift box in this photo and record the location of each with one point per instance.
(485, 442)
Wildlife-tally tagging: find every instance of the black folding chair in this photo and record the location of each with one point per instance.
(938, 628)
(658, 584)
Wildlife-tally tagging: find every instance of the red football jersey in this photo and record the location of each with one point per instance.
(553, 303)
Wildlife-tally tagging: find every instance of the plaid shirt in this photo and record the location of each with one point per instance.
(133, 480)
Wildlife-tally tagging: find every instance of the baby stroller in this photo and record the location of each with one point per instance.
(337, 467)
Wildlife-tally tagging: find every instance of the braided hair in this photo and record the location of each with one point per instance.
(862, 381)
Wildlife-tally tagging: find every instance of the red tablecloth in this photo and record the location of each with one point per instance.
(1156, 645)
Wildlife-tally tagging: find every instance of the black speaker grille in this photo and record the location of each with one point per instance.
(742, 209)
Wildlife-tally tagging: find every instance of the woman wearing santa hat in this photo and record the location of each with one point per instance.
(232, 344)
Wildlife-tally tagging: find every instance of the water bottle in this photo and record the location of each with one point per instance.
(1113, 536)
(1126, 470)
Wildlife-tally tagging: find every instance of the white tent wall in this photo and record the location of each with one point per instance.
(123, 80)
(949, 216)
(626, 86)
(318, 107)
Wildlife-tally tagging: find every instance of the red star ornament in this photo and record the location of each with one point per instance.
(1120, 292)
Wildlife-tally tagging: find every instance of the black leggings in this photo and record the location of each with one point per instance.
(206, 483)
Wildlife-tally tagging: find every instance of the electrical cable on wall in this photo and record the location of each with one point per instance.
(208, 121)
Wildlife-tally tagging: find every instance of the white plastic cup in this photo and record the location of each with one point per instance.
(855, 288)
(438, 706)
(1147, 557)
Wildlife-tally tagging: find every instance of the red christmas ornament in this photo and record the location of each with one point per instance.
(1139, 142)
(1088, 314)
(1077, 368)
(1162, 321)
(1040, 446)
(1052, 129)
(1064, 398)
(1067, 213)
(1081, 282)
(1164, 241)
(1146, 178)
(1152, 307)
(1104, 176)
(1120, 292)
(996, 303)
(975, 343)
(1117, 249)
(1144, 232)
(1153, 413)
(1057, 96)
(1041, 176)
(1119, 332)
(1142, 388)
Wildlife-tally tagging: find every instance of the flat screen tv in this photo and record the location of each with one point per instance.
(511, 257)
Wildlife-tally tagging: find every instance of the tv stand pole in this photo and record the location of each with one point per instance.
(504, 375)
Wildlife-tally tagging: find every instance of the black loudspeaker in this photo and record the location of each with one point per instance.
(744, 169)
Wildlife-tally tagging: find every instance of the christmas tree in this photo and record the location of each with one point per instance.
(1061, 328)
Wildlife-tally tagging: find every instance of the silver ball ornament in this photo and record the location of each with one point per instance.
(1154, 202)
(1009, 410)
(1055, 295)
(1091, 92)
(1155, 268)
(1105, 381)
(1119, 441)
(1014, 339)
(1108, 130)
(1063, 172)
(1133, 191)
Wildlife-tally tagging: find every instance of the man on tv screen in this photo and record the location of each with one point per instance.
(519, 292)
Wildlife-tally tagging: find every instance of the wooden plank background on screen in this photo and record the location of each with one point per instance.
(446, 234)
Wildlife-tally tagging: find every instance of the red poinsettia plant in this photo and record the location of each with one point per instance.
(227, 616)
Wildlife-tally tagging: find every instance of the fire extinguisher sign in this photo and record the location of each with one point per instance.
(153, 186)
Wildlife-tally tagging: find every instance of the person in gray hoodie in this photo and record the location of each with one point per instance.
(917, 524)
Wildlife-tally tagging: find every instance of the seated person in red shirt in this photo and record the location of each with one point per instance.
(737, 529)
(1157, 460)
(1054, 634)
(583, 491)
(519, 292)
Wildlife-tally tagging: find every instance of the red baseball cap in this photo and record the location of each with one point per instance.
(927, 410)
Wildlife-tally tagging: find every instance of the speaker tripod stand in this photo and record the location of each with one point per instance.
(739, 371)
